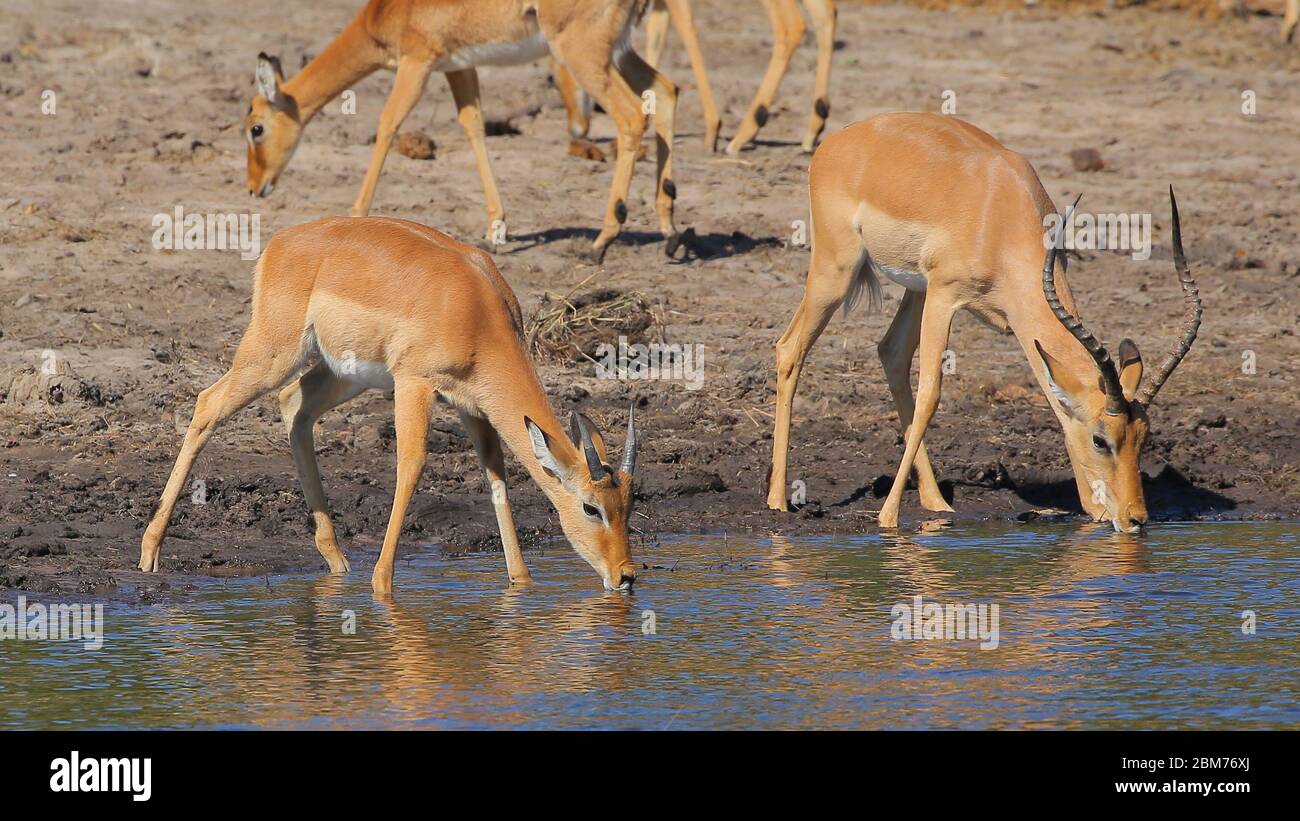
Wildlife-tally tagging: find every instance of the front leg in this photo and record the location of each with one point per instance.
(936, 320)
(411, 401)
(487, 444)
(407, 88)
(464, 89)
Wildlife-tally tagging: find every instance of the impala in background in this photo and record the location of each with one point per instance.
(788, 29)
(419, 37)
(944, 210)
(398, 306)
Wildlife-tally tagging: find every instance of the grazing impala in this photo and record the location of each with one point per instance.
(395, 305)
(418, 37)
(946, 211)
(788, 27)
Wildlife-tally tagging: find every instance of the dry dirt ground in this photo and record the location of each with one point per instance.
(147, 119)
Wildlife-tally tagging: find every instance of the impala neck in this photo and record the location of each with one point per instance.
(344, 62)
(506, 396)
(1030, 318)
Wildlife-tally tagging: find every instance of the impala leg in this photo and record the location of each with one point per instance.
(487, 444)
(577, 105)
(656, 32)
(407, 88)
(821, 297)
(642, 78)
(685, 25)
(822, 13)
(608, 87)
(258, 367)
(1289, 21)
(788, 27)
(464, 90)
(936, 320)
(896, 349)
(301, 404)
(411, 401)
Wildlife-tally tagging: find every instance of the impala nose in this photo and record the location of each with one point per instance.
(626, 577)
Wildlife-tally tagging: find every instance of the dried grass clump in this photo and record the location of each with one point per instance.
(571, 328)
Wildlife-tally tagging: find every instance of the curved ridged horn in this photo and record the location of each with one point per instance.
(580, 431)
(1191, 317)
(1115, 402)
(629, 447)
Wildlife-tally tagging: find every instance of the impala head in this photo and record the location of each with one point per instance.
(595, 501)
(1104, 412)
(272, 128)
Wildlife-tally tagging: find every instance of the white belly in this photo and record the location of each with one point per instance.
(346, 366)
(909, 279)
(514, 53)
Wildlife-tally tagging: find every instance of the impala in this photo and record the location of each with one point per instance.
(418, 37)
(395, 305)
(787, 25)
(943, 209)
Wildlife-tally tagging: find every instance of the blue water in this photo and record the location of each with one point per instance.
(1094, 630)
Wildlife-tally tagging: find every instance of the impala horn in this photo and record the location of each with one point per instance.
(1191, 317)
(580, 428)
(629, 447)
(1115, 402)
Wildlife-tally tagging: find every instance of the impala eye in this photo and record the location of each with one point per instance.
(255, 131)
(1100, 443)
(591, 510)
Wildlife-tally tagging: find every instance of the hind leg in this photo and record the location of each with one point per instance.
(896, 349)
(685, 25)
(260, 366)
(822, 13)
(577, 104)
(301, 404)
(830, 277)
(788, 28)
(642, 78)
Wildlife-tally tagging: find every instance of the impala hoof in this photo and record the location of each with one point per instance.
(672, 244)
(594, 255)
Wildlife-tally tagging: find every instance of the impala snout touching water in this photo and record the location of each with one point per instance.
(394, 305)
(417, 38)
(944, 210)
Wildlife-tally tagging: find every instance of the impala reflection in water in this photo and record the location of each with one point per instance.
(1095, 630)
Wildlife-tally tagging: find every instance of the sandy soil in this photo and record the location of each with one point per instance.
(147, 119)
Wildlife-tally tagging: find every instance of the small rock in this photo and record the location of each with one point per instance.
(1212, 421)
(587, 150)
(415, 144)
(1087, 159)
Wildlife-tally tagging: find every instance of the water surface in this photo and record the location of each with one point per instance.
(1095, 630)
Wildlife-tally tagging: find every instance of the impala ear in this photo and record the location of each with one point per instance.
(542, 450)
(268, 76)
(1069, 392)
(1130, 368)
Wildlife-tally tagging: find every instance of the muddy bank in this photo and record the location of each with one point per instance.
(104, 342)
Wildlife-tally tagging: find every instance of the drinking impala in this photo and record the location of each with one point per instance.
(395, 305)
(943, 209)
